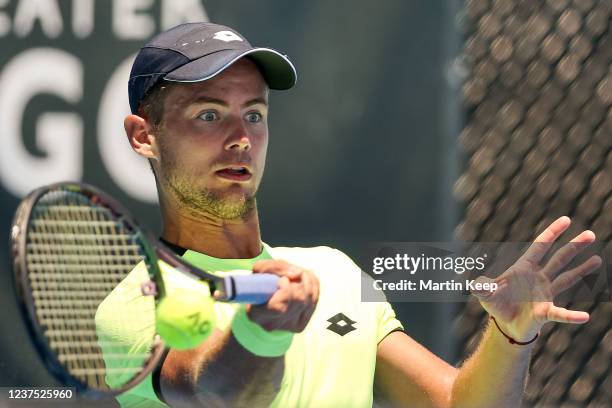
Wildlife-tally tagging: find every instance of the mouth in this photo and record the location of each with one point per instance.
(235, 173)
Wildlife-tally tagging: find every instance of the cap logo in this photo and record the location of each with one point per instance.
(226, 36)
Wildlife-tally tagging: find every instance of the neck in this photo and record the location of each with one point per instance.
(208, 234)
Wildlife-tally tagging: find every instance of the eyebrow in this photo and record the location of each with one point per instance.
(207, 99)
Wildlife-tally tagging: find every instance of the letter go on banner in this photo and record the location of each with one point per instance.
(65, 70)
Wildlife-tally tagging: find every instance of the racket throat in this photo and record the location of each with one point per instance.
(223, 289)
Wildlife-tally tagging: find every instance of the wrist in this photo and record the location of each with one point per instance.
(522, 339)
(256, 339)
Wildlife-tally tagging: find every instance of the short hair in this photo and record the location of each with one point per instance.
(152, 108)
(152, 105)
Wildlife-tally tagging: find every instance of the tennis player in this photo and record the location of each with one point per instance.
(199, 95)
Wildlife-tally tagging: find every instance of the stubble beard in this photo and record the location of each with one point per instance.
(203, 201)
(206, 201)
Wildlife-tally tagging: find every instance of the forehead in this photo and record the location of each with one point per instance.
(242, 80)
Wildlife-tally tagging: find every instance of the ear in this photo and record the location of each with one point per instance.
(141, 139)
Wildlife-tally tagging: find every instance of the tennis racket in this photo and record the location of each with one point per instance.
(74, 249)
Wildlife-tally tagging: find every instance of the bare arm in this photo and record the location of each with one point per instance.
(409, 375)
(221, 372)
(495, 374)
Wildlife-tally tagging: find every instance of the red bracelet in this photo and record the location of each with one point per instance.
(510, 339)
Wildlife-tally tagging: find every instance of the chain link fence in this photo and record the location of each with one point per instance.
(537, 143)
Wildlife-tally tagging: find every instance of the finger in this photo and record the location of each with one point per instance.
(540, 246)
(316, 290)
(563, 315)
(568, 252)
(281, 296)
(277, 267)
(283, 282)
(307, 287)
(312, 286)
(569, 278)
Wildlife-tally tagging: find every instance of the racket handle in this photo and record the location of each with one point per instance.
(255, 289)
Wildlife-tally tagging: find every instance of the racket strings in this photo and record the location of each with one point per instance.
(78, 256)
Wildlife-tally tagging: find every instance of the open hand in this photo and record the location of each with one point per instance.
(523, 300)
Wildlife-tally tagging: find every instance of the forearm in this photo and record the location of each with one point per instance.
(236, 377)
(495, 375)
(224, 371)
(221, 373)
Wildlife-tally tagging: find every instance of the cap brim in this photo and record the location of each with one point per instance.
(276, 68)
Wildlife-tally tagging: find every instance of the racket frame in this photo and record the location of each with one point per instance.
(18, 250)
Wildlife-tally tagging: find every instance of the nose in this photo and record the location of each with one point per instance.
(239, 139)
(242, 143)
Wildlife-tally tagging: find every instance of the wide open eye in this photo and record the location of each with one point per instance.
(208, 116)
(254, 117)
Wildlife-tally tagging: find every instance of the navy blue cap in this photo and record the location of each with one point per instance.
(195, 52)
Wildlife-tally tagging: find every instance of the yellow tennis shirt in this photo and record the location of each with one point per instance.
(330, 364)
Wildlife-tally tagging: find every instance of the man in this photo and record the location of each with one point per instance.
(199, 98)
